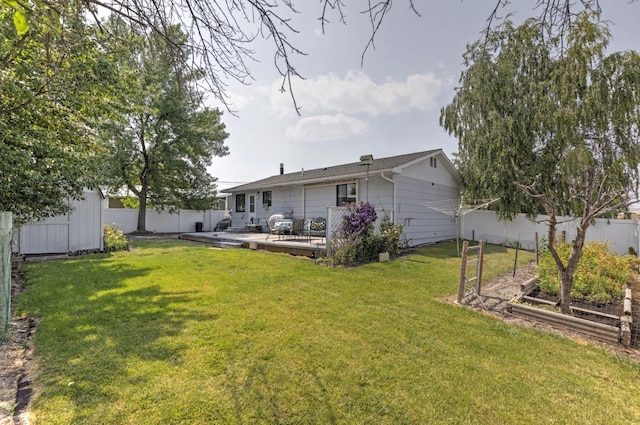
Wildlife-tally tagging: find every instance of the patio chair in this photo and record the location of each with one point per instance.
(297, 227)
(279, 225)
(318, 227)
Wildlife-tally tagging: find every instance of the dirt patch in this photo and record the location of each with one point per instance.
(17, 366)
(496, 294)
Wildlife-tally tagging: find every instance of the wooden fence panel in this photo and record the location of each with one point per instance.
(5, 270)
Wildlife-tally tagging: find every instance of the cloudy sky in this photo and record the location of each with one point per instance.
(388, 104)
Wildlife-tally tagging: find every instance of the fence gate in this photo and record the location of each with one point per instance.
(468, 281)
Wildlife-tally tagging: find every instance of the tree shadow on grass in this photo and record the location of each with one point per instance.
(98, 322)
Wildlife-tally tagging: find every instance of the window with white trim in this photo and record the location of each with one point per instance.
(345, 193)
(266, 198)
(240, 202)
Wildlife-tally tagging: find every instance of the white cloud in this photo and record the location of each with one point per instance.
(238, 101)
(326, 127)
(357, 93)
(235, 101)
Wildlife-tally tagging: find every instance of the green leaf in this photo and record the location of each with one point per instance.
(21, 23)
(20, 20)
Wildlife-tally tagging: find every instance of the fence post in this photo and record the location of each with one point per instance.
(6, 226)
(463, 271)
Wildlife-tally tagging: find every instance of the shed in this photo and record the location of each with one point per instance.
(79, 230)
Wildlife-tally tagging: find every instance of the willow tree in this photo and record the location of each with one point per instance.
(549, 125)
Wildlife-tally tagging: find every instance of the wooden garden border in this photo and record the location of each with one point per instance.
(616, 334)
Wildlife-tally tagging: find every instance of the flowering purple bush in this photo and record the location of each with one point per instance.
(359, 219)
(357, 243)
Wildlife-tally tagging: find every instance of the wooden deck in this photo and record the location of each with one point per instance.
(291, 244)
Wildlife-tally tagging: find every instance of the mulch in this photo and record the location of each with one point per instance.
(17, 366)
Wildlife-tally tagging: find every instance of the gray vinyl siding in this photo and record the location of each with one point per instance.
(282, 200)
(285, 199)
(421, 224)
(317, 199)
(380, 194)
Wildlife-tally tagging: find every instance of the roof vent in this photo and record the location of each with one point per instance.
(281, 168)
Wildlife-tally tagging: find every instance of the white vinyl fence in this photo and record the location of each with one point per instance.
(82, 229)
(183, 221)
(485, 225)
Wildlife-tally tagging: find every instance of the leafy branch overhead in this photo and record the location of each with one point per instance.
(221, 33)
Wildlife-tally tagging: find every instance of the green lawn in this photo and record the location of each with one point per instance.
(180, 333)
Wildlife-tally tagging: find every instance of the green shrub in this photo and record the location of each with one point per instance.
(600, 277)
(390, 234)
(114, 239)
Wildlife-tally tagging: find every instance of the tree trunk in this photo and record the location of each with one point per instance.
(566, 283)
(142, 210)
(568, 272)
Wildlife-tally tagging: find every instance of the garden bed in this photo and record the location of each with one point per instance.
(610, 321)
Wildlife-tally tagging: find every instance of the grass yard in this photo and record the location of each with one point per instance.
(178, 333)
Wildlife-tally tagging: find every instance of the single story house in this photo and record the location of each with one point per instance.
(397, 186)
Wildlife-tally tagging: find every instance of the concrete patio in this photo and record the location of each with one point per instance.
(312, 247)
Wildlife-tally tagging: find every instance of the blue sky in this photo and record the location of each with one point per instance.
(388, 105)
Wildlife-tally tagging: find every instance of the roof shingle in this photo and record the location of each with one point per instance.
(331, 173)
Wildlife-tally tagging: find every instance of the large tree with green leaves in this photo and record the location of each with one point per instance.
(50, 94)
(162, 139)
(549, 125)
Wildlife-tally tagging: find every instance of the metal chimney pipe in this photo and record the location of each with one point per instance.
(281, 168)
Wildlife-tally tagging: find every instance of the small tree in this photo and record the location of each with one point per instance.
(549, 127)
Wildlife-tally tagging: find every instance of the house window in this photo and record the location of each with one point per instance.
(266, 198)
(252, 203)
(240, 203)
(346, 193)
(219, 204)
(433, 162)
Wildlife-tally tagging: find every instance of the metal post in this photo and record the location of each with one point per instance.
(463, 272)
(366, 160)
(367, 189)
(479, 268)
